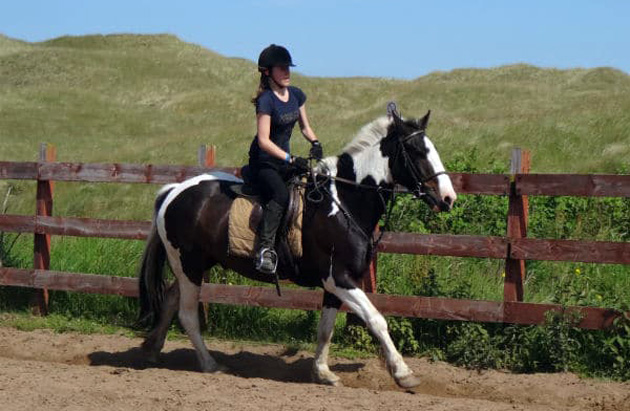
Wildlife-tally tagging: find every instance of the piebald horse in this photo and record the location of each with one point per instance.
(190, 231)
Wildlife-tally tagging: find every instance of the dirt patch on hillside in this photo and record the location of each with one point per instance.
(45, 370)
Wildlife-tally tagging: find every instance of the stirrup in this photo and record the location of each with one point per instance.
(267, 261)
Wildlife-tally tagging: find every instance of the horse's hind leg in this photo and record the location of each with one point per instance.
(189, 317)
(154, 342)
(321, 372)
(189, 287)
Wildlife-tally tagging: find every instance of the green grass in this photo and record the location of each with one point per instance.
(59, 323)
(155, 99)
(133, 98)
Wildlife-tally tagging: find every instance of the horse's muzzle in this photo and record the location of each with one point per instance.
(444, 206)
(434, 202)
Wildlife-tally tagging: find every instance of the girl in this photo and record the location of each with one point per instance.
(278, 107)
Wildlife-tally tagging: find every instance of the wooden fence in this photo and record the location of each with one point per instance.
(514, 247)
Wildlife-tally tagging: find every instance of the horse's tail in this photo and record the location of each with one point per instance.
(151, 282)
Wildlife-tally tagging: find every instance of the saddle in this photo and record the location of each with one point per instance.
(246, 212)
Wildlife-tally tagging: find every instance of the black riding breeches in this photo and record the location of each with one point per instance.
(273, 186)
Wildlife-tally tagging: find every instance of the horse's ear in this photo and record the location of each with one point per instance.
(392, 112)
(424, 121)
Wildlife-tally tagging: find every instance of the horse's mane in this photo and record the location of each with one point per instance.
(369, 135)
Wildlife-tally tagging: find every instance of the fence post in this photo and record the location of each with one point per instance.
(41, 242)
(205, 158)
(516, 227)
(206, 155)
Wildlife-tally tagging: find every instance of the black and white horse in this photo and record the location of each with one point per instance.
(190, 230)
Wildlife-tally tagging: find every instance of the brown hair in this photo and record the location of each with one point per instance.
(262, 86)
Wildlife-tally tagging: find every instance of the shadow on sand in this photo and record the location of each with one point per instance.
(243, 364)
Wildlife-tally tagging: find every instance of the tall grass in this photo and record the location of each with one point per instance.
(155, 99)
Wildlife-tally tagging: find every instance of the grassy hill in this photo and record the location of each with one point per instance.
(136, 98)
(155, 99)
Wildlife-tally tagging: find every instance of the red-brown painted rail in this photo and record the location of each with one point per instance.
(515, 248)
(395, 305)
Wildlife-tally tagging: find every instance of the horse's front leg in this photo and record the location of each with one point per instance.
(321, 372)
(357, 301)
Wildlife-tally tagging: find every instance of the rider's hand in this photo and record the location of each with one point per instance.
(300, 163)
(316, 152)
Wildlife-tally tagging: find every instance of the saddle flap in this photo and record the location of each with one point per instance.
(244, 218)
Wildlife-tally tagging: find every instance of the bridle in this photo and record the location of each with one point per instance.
(419, 181)
(316, 195)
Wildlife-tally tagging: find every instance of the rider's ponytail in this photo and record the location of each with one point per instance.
(262, 86)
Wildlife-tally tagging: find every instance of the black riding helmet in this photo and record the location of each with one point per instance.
(274, 55)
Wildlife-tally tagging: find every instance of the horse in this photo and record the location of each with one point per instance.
(190, 231)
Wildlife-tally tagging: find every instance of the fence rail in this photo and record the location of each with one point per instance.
(392, 242)
(395, 305)
(515, 247)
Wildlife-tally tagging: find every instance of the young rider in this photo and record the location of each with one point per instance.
(278, 107)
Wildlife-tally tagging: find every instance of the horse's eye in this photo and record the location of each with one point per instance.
(417, 149)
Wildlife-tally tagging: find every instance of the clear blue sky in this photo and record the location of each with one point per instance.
(400, 39)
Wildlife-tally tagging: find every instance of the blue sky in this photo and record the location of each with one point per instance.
(399, 39)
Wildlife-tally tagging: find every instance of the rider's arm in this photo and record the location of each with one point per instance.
(264, 142)
(305, 127)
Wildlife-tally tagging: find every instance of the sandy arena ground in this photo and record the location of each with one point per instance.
(41, 370)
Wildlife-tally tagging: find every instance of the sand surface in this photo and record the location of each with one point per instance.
(43, 370)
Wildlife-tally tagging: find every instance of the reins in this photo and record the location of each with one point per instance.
(320, 190)
(316, 195)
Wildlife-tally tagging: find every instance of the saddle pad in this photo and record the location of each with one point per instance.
(242, 228)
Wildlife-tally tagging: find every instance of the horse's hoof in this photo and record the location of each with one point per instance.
(408, 381)
(332, 382)
(329, 379)
(150, 355)
(222, 369)
(152, 358)
(335, 382)
(215, 368)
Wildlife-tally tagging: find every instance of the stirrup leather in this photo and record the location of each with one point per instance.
(261, 265)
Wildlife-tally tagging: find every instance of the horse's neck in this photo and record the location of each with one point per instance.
(368, 168)
(370, 164)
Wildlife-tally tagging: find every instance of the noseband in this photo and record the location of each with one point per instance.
(419, 180)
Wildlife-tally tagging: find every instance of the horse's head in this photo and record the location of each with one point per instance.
(415, 163)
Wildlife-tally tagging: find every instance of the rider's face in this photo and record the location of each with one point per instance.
(281, 75)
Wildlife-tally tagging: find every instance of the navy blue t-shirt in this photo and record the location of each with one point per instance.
(283, 118)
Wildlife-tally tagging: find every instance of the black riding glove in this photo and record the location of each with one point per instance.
(300, 164)
(317, 152)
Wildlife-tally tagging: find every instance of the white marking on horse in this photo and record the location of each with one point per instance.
(189, 292)
(324, 336)
(357, 302)
(177, 189)
(188, 315)
(329, 166)
(367, 158)
(166, 188)
(444, 182)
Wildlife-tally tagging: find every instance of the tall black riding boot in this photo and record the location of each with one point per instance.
(266, 257)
